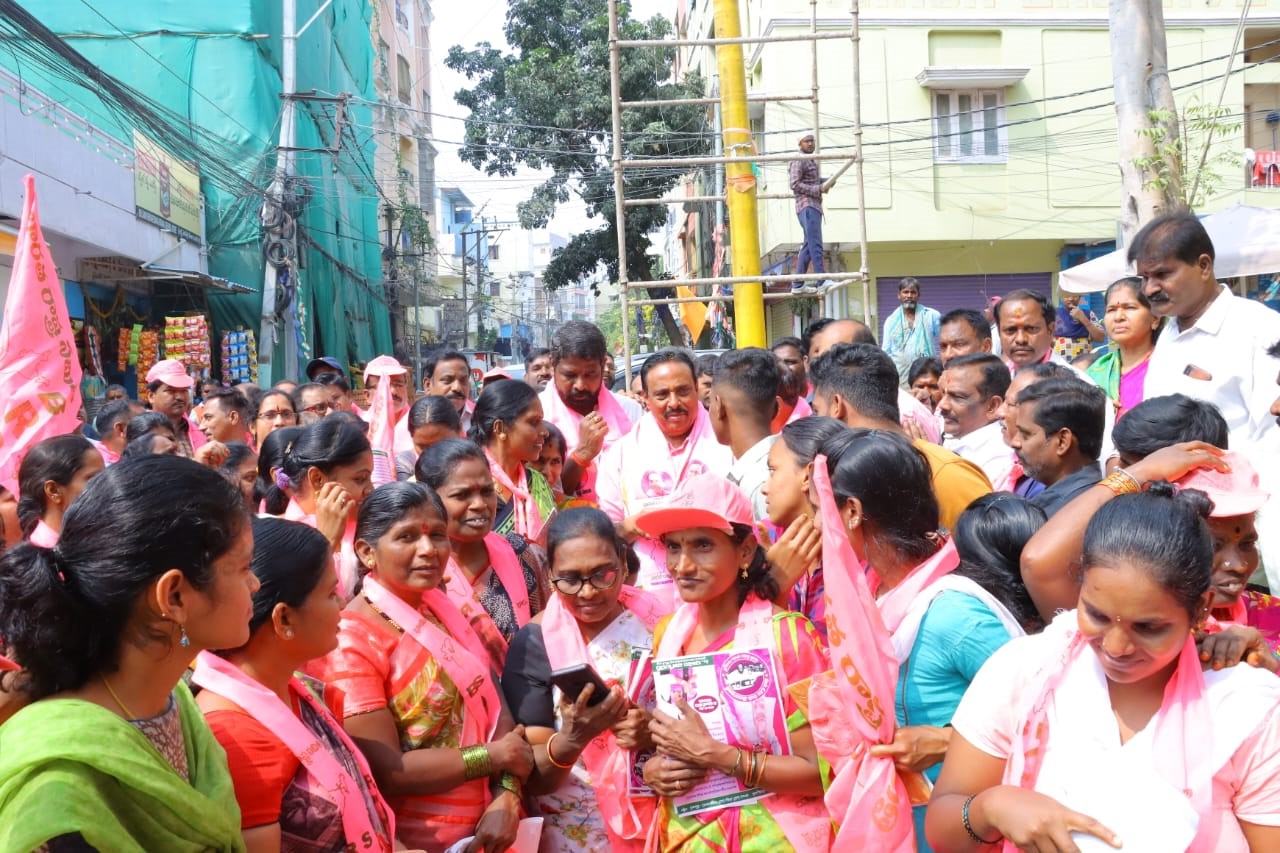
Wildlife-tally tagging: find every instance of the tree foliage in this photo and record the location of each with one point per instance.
(547, 105)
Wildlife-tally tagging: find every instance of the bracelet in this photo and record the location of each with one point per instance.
(968, 827)
(509, 782)
(552, 758)
(736, 762)
(1121, 482)
(476, 762)
(582, 463)
(764, 757)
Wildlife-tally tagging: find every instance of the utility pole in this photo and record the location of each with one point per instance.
(744, 230)
(466, 315)
(1140, 77)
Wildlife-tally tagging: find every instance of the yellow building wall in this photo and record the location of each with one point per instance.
(1060, 182)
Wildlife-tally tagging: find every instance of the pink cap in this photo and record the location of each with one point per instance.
(706, 500)
(496, 373)
(383, 365)
(1236, 492)
(171, 373)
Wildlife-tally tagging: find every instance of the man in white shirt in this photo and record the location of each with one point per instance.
(667, 446)
(744, 400)
(1214, 348)
(973, 391)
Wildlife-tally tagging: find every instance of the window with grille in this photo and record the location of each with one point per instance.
(968, 126)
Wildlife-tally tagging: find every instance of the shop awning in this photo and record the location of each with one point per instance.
(117, 270)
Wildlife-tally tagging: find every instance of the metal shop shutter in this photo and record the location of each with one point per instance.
(947, 292)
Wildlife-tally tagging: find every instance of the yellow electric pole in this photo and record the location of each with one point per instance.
(740, 180)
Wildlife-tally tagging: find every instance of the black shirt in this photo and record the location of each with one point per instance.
(526, 679)
(1061, 493)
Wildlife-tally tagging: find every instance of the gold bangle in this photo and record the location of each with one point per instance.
(476, 762)
(1121, 482)
(733, 772)
(552, 758)
(764, 758)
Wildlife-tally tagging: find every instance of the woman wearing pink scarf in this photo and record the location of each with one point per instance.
(1105, 725)
(52, 473)
(507, 423)
(582, 753)
(725, 584)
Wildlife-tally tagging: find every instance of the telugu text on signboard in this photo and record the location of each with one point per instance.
(166, 190)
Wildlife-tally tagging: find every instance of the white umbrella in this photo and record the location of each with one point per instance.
(1246, 241)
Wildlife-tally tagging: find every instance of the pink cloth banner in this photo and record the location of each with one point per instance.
(382, 435)
(851, 708)
(39, 368)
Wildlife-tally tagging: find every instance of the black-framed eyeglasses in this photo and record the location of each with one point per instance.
(321, 409)
(600, 580)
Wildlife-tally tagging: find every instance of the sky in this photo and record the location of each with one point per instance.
(467, 24)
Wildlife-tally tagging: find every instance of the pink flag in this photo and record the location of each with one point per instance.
(39, 368)
(851, 709)
(382, 434)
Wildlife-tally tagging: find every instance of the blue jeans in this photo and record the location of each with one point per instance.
(811, 252)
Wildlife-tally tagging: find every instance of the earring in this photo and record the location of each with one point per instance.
(744, 572)
(184, 641)
(288, 633)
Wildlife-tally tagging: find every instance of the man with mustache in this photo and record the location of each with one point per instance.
(385, 368)
(577, 402)
(447, 373)
(973, 390)
(537, 370)
(1057, 436)
(912, 329)
(660, 452)
(1215, 348)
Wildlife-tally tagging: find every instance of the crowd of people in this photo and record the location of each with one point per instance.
(943, 591)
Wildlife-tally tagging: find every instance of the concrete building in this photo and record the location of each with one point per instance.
(989, 132)
(404, 166)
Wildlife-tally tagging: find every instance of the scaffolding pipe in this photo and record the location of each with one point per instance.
(655, 202)
(734, 279)
(768, 297)
(620, 210)
(676, 102)
(855, 38)
(740, 179)
(728, 41)
(675, 162)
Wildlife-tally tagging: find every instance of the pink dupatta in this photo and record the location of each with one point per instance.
(803, 820)
(506, 565)
(43, 535)
(458, 652)
(896, 603)
(1183, 728)
(626, 819)
(568, 422)
(851, 709)
(344, 560)
(363, 831)
(528, 518)
(382, 435)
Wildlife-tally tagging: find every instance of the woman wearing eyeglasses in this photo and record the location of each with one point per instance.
(592, 618)
(275, 410)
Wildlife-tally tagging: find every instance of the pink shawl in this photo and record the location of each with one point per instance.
(568, 422)
(528, 518)
(803, 819)
(43, 535)
(851, 709)
(895, 603)
(506, 565)
(361, 828)
(382, 439)
(344, 559)
(1181, 740)
(457, 649)
(626, 819)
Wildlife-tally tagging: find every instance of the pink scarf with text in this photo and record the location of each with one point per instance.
(363, 830)
(457, 649)
(896, 603)
(626, 819)
(1183, 727)
(506, 565)
(803, 820)
(568, 422)
(382, 435)
(851, 708)
(344, 559)
(528, 518)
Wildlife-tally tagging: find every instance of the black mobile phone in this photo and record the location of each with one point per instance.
(572, 679)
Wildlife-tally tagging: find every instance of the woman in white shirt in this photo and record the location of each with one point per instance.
(1105, 725)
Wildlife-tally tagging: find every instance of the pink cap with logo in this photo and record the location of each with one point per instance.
(383, 365)
(171, 373)
(1236, 492)
(705, 500)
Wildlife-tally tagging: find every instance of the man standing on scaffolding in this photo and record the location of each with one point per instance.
(808, 188)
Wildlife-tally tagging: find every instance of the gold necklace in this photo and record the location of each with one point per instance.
(128, 715)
